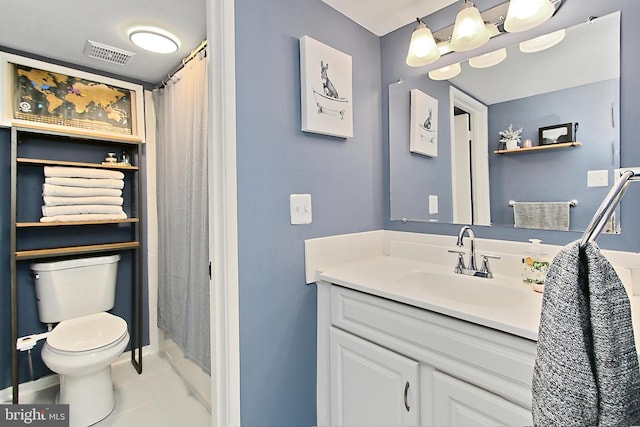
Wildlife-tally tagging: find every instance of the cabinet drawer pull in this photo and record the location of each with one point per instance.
(406, 392)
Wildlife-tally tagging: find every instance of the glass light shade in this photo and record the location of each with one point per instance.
(422, 49)
(445, 73)
(153, 41)
(469, 31)
(524, 15)
(488, 59)
(543, 42)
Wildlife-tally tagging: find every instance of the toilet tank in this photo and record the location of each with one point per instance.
(75, 287)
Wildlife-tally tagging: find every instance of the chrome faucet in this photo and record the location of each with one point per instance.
(472, 237)
(471, 269)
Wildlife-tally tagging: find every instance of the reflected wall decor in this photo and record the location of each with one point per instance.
(424, 124)
(326, 89)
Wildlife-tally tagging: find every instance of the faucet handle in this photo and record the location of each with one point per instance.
(460, 266)
(485, 265)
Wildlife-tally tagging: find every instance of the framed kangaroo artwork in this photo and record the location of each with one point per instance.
(326, 89)
(423, 138)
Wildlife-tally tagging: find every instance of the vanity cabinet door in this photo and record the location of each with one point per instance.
(370, 385)
(457, 403)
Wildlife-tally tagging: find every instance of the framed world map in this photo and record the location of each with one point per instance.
(54, 96)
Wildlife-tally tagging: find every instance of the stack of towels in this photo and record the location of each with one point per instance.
(82, 194)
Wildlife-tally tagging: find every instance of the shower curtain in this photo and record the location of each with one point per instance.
(183, 226)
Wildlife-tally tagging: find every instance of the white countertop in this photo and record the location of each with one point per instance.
(416, 269)
(497, 303)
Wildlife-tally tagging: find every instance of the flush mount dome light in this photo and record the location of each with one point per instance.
(154, 40)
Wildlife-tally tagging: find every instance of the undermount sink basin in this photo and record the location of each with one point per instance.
(463, 289)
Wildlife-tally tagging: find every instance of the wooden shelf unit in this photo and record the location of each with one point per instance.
(20, 134)
(539, 147)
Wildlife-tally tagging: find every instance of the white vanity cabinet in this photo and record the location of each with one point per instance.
(382, 362)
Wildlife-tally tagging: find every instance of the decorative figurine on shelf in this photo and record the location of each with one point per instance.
(510, 138)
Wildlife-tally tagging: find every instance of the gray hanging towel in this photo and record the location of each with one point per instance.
(586, 369)
(542, 215)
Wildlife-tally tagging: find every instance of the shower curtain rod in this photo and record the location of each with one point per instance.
(183, 63)
(608, 205)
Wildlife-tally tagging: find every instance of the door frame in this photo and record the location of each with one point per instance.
(479, 120)
(223, 218)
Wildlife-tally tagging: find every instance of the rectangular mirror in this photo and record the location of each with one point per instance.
(574, 85)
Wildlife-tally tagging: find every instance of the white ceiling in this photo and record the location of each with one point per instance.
(384, 16)
(59, 30)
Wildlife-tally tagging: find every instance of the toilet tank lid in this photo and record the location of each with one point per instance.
(74, 263)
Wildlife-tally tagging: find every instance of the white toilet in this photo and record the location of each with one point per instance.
(77, 293)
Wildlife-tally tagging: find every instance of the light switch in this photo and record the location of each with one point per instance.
(433, 204)
(300, 206)
(598, 178)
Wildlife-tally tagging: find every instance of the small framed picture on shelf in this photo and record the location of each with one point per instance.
(557, 134)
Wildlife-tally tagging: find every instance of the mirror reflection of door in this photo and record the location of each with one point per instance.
(463, 200)
(469, 159)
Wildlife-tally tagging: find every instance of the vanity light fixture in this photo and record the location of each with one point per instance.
(526, 14)
(488, 59)
(445, 73)
(469, 31)
(473, 28)
(154, 39)
(542, 42)
(422, 49)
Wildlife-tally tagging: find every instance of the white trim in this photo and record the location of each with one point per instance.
(478, 116)
(223, 234)
(152, 220)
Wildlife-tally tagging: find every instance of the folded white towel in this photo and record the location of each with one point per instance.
(94, 200)
(63, 171)
(59, 190)
(80, 209)
(84, 217)
(85, 182)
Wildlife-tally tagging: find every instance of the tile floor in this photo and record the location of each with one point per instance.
(158, 397)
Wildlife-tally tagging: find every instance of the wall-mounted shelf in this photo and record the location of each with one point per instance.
(539, 147)
(45, 162)
(75, 250)
(72, 223)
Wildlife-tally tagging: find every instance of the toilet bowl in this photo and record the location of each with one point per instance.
(81, 351)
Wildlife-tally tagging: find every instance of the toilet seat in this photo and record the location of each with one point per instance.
(87, 333)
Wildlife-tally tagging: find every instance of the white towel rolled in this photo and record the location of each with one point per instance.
(59, 190)
(67, 172)
(80, 209)
(94, 200)
(85, 182)
(84, 217)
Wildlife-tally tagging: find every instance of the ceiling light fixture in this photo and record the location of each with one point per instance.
(422, 49)
(154, 40)
(469, 31)
(445, 73)
(526, 14)
(542, 42)
(488, 59)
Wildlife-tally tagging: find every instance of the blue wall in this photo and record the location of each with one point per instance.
(393, 52)
(275, 159)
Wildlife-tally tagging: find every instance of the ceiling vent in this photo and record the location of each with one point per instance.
(107, 53)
